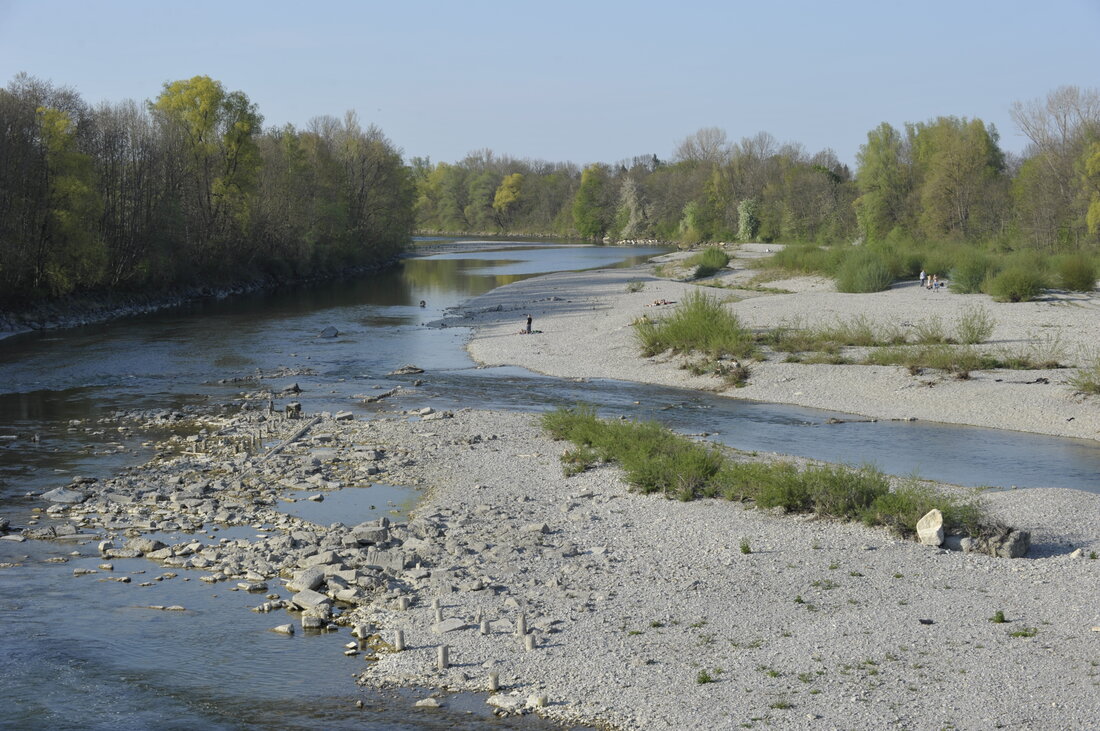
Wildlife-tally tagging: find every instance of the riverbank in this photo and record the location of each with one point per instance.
(584, 323)
(647, 613)
(93, 309)
(642, 612)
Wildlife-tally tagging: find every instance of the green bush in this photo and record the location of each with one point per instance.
(1087, 377)
(708, 261)
(970, 272)
(1015, 284)
(700, 323)
(900, 510)
(1077, 272)
(864, 271)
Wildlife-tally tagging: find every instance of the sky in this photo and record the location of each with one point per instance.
(573, 80)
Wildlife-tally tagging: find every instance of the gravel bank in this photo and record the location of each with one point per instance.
(584, 329)
(634, 600)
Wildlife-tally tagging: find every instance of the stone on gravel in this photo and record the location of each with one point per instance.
(64, 496)
(448, 625)
(930, 528)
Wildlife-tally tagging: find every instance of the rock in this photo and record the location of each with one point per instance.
(330, 332)
(505, 702)
(65, 496)
(435, 416)
(145, 545)
(310, 621)
(370, 533)
(284, 629)
(122, 553)
(1079, 553)
(1014, 544)
(385, 560)
(344, 416)
(930, 528)
(310, 599)
(316, 497)
(536, 528)
(306, 579)
(405, 370)
(448, 625)
(428, 703)
(4, 524)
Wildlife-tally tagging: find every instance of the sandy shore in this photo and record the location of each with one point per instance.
(584, 323)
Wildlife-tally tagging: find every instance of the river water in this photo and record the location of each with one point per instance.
(82, 652)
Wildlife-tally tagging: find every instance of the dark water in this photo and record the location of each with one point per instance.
(79, 652)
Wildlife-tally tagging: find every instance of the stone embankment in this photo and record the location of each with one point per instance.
(586, 602)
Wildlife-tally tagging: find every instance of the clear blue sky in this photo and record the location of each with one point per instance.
(575, 80)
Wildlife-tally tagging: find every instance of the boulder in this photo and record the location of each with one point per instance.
(65, 496)
(448, 625)
(309, 599)
(330, 332)
(930, 528)
(145, 545)
(1010, 544)
(309, 578)
(284, 629)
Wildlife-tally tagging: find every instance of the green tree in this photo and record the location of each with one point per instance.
(506, 201)
(884, 182)
(593, 213)
(216, 131)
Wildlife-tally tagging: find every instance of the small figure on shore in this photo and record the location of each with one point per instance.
(935, 282)
(528, 324)
(923, 276)
(659, 302)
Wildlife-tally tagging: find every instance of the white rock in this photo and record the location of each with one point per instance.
(930, 528)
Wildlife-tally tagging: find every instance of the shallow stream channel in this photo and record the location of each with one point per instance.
(80, 652)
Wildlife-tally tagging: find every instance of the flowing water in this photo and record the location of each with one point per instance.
(85, 652)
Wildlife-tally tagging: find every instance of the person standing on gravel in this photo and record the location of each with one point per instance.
(528, 324)
(922, 276)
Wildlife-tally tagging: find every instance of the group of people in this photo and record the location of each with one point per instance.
(929, 281)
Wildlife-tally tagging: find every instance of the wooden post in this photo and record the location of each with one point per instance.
(484, 626)
(521, 625)
(402, 602)
(494, 681)
(529, 643)
(438, 615)
(443, 660)
(398, 640)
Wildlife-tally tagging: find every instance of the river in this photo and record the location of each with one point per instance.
(87, 653)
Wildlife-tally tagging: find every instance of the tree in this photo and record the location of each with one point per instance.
(707, 145)
(215, 130)
(507, 198)
(884, 182)
(592, 209)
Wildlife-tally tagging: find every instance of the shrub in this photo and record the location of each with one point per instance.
(900, 510)
(1015, 284)
(1077, 272)
(864, 271)
(708, 261)
(930, 331)
(974, 325)
(635, 286)
(700, 324)
(1087, 377)
(970, 272)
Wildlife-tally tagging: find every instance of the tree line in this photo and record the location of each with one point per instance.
(186, 189)
(946, 179)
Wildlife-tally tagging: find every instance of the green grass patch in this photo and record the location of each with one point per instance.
(1087, 378)
(699, 324)
(657, 460)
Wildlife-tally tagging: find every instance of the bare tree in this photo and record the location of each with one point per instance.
(707, 145)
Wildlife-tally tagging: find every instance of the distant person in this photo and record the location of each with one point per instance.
(923, 276)
(423, 303)
(935, 282)
(528, 324)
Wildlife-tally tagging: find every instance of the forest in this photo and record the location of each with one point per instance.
(190, 188)
(186, 189)
(946, 180)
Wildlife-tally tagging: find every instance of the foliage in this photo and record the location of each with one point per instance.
(591, 213)
(1077, 272)
(864, 271)
(970, 272)
(708, 261)
(698, 324)
(1015, 284)
(975, 325)
(186, 189)
(1087, 377)
(655, 459)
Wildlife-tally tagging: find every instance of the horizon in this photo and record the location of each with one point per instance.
(488, 76)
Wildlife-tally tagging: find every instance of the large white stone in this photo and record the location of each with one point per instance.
(930, 528)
